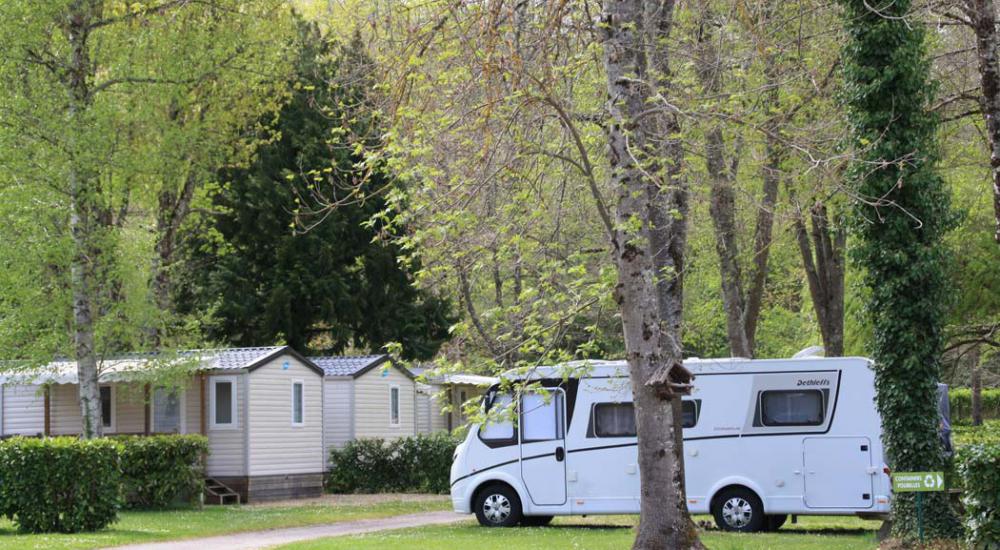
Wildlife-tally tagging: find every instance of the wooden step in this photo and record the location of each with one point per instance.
(217, 492)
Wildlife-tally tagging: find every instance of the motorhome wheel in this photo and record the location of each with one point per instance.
(738, 509)
(498, 506)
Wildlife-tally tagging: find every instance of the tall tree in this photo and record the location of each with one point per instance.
(901, 213)
(81, 75)
(822, 247)
(320, 281)
(648, 192)
(981, 16)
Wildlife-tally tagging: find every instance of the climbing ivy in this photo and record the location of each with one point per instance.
(901, 213)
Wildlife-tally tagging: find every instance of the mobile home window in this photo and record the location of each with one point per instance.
(792, 408)
(223, 402)
(394, 406)
(107, 407)
(298, 416)
(500, 427)
(613, 420)
(166, 410)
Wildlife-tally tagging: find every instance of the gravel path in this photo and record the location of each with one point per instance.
(275, 537)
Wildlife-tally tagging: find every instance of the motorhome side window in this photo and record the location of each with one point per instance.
(500, 425)
(690, 411)
(541, 416)
(792, 407)
(613, 420)
(618, 419)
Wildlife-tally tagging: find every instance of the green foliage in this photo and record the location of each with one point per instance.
(420, 463)
(960, 400)
(287, 265)
(59, 484)
(988, 433)
(901, 214)
(979, 466)
(158, 470)
(169, 91)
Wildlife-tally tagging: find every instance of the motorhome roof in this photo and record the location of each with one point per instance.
(603, 369)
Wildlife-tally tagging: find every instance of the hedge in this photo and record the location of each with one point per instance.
(979, 466)
(59, 484)
(159, 470)
(960, 400)
(421, 463)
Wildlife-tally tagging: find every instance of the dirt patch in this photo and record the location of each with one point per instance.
(354, 500)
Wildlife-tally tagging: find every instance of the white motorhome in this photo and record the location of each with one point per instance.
(762, 439)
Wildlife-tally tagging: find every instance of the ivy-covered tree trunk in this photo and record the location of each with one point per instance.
(901, 212)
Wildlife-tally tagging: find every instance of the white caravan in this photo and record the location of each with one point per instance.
(762, 439)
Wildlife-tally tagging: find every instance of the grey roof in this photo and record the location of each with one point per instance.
(348, 365)
(123, 367)
(236, 358)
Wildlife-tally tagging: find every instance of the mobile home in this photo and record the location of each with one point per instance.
(762, 439)
(440, 398)
(365, 396)
(260, 408)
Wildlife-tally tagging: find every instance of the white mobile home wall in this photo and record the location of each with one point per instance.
(276, 446)
(22, 410)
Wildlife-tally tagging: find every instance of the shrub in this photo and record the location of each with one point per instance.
(979, 466)
(159, 470)
(989, 432)
(960, 400)
(427, 459)
(420, 463)
(60, 484)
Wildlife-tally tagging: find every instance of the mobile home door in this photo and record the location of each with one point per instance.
(543, 447)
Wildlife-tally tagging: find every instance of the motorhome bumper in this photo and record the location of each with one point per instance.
(459, 500)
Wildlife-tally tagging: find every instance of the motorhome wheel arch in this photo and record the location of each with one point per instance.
(762, 439)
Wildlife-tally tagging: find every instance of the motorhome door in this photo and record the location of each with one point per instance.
(839, 472)
(543, 446)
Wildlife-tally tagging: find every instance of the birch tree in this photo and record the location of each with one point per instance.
(84, 79)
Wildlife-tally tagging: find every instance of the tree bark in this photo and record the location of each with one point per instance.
(83, 216)
(629, 27)
(982, 16)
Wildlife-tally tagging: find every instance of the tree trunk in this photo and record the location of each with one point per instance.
(982, 15)
(722, 199)
(742, 306)
(173, 210)
(651, 342)
(774, 152)
(83, 219)
(823, 261)
(977, 395)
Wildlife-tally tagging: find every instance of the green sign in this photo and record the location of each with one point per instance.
(917, 482)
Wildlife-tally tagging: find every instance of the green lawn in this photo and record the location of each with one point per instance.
(137, 527)
(603, 533)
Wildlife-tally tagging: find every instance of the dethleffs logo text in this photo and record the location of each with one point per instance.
(813, 383)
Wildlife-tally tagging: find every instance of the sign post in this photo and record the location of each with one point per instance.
(920, 483)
